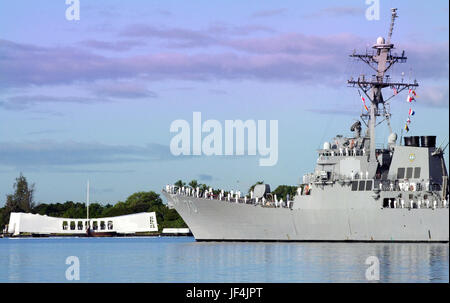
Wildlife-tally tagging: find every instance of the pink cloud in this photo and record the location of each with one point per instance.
(281, 57)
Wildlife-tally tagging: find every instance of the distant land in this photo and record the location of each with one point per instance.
(145, 201)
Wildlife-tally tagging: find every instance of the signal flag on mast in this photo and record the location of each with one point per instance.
(364, 101)
(411, 95)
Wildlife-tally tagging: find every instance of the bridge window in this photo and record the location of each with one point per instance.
(417, 172)
(80, 225)
(354, 185)
(72, 225)
(362, 185)
(400, 173)
(110, 225)
(369, 185)
(102, 225)
(65, 225)
(409, 172)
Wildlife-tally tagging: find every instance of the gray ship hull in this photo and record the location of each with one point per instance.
(357, 192)
(215, 220)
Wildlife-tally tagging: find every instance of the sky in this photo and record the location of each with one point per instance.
(93, 99)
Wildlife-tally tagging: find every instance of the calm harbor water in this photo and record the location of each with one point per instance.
(184, 260)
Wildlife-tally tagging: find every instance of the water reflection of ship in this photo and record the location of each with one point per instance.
(419, 262)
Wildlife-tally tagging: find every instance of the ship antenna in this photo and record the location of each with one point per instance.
(87, 200)
(391, 28)
(381, 59)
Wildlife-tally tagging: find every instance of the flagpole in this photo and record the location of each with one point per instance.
(87, 200)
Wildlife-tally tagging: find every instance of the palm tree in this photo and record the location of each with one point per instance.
(203, 187)
(179, 184)
(193, 184)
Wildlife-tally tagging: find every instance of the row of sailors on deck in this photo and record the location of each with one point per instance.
(393, 203)
(354, 175)
(348, 152)
(402, 186)
(186, 190)
(405, 186)
(231, 196)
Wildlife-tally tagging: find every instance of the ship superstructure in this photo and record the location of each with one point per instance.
(357, 192)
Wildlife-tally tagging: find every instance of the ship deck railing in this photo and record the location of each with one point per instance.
(377, 184)
(270, 203)
(325, 154)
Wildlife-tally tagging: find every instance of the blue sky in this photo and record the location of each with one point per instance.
(94, 98)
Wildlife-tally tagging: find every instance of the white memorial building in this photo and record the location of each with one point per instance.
(25, 223)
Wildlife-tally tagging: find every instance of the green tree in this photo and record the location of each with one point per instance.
(149, 198)
(2, 222)
(95, 210)
(21, 200)
(151, 202)
(193, 184)
(179, 184)
(283, 190)
(135, 203)
(204, 187)
(74, 210)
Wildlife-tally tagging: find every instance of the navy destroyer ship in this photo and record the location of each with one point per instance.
(357, 192)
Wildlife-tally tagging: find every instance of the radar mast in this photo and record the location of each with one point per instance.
(380, 59)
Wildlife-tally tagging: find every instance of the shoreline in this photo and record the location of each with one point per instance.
(152, 235)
